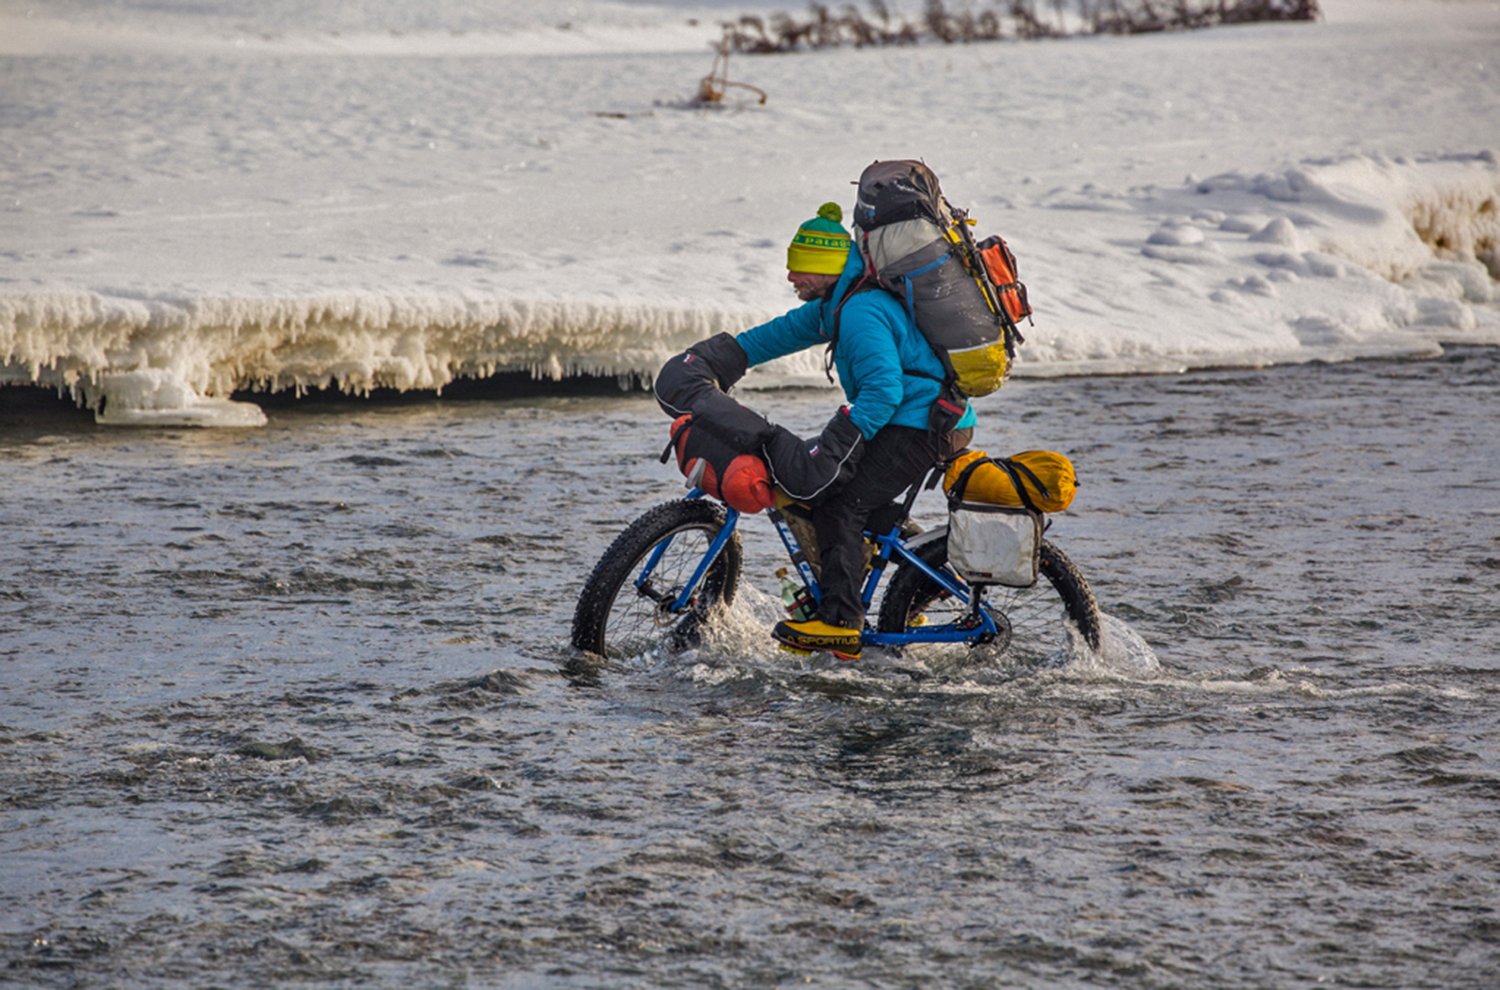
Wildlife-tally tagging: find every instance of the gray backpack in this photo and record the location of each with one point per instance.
(963, 296)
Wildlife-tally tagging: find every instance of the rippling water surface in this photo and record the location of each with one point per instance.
(295, 706)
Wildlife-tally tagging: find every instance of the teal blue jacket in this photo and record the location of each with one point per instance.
(888, 371)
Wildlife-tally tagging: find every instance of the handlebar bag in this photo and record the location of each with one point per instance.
(739, 480)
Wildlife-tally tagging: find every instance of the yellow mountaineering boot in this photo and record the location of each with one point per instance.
(815, 634)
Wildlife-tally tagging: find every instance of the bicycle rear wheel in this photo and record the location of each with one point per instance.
(1034, 622)
(624, 611)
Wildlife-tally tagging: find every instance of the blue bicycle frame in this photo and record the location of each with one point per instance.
(976, 624)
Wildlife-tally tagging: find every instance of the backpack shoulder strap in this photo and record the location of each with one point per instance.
(864, 283)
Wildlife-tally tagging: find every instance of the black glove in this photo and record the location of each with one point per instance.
(694, 382)
(806, 469)
(708, 367)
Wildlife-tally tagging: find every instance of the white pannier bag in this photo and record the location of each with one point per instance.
(994, 544)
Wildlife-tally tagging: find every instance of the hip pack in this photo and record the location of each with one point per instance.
(963, 296)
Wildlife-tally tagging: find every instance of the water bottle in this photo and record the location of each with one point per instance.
(795, 597)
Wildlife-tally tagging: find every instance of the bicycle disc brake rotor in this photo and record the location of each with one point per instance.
(999, 641)
(663, 614)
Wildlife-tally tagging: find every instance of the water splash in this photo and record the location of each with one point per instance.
(1122, 653)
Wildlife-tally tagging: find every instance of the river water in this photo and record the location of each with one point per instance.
(296, 706)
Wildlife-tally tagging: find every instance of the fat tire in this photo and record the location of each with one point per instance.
(910, 588)
(622, 561)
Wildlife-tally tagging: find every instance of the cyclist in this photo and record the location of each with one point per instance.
(887, 436)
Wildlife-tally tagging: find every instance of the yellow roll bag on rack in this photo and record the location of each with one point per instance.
(1040, 480)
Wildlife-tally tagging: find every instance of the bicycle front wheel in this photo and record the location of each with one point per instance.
(1034, 622)
(628, 603)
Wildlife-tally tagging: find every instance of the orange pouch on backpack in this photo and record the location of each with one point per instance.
(1001, 265)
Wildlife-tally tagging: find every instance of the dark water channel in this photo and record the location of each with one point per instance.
(290, 707)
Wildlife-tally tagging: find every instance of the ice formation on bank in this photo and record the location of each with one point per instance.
(1324, 261)
(356, 340)
(195, 209)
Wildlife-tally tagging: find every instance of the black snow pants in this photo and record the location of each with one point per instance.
(897, 458)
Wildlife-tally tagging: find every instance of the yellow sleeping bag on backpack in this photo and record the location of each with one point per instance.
(1047, 477)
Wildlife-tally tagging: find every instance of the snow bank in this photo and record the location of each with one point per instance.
(39, 34)
(1330, 260)
(1388, 216)
(1325, 261)
(378, 194)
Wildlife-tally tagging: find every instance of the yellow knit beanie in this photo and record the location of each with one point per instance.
(822, 245)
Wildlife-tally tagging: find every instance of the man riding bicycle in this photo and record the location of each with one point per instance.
(875, 447)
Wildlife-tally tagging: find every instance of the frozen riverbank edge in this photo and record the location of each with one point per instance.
(187, 225)
(1357, 258)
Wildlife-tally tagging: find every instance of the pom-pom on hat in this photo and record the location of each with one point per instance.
(822, 244)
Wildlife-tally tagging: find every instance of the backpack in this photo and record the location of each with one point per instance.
(964, 297)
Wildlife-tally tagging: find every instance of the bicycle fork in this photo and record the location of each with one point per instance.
(679, 603)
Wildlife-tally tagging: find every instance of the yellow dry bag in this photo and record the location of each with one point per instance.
(1041, 480)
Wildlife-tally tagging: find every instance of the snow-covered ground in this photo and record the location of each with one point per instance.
(198, 198)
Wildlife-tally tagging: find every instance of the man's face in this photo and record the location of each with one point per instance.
(810, 286)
